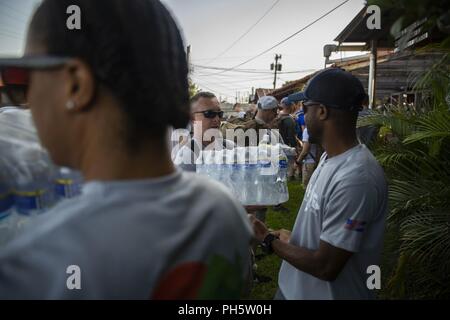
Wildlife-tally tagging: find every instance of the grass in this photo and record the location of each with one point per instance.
(269, 265)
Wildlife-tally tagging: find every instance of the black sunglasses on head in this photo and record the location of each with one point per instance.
(15, 72)
(211, 114)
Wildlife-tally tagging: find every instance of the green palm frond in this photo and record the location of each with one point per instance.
(413, 146)
(406, 197)
(437, 79)
(434, 126)
(400, 124)
(426, 236)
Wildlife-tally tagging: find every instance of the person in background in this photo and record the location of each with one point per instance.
(300, 121)
(102, 106)
(299, 114)
(288, 131)
(265, 118)
(287, 123)
(367, 134)
(308, 158)
(267, 111)
(339, 230)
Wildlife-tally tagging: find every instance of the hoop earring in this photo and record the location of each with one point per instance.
(70, 104)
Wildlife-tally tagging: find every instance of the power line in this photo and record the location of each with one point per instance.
(16, 19)
(249, 71)
(239, 70)
(239, 81)
(245, 33)
(10, 35)
(286, 39)
(12, 32)
(19, 12)
(212, 90)
(217, 85)
(210, 85)
(236, 70)
(231, 79)
(223, 58)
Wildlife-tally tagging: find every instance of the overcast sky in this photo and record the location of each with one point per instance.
(212, 26)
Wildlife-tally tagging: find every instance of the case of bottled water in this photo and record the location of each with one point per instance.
(29, 183)
(255, 175)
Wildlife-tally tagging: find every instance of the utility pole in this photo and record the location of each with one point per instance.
(188, 57)
(276, 67)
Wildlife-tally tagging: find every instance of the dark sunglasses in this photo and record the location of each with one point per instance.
(210, 114)
(309, 104)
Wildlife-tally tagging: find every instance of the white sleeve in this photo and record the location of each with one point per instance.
(305, 135)
(347, 215)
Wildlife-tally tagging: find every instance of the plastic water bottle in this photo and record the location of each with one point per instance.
(228, 169)
(281, 181)
(239, 175)
(200, 164)
(209, 163)
(263, 176)
(67, 183)
(219, 168)
(34, 189)
(252, 183)
(6, 209)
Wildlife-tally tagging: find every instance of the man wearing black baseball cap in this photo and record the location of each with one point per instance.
(339, 229)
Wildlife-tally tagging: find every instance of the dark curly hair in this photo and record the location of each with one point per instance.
(134, 49)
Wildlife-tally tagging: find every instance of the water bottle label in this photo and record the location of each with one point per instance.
(6, 202)
(67, 188)
(283, 164)
(31, 200)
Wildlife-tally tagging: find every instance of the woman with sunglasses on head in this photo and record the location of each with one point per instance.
(102, 99)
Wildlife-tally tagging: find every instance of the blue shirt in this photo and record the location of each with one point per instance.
(301, 122)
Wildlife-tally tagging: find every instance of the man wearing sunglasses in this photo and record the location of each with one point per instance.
(338, 233)
(206, 118)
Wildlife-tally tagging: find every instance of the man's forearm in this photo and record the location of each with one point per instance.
(303, 259)
(302, 155)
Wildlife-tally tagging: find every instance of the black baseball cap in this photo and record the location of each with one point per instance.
(334, 88)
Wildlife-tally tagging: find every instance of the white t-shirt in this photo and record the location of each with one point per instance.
(312, 148)
(345, 205)
(179, 236)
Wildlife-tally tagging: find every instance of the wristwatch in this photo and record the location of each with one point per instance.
(267, 243)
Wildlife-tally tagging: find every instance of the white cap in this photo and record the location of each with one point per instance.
(267, 103)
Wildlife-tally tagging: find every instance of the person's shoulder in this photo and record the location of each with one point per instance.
(361, 169)
(43, 228)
